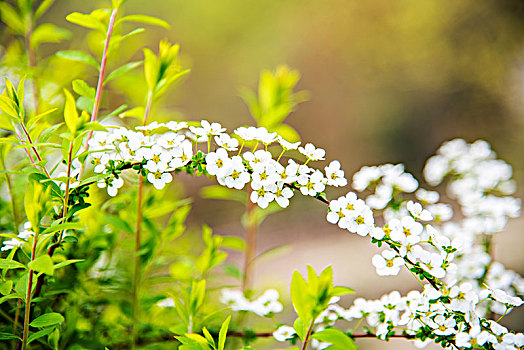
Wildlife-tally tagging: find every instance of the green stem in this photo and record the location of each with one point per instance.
(138, 228)
(281, 153)
(11, 194)
(31, 60)
(34, 149)
(28, 296)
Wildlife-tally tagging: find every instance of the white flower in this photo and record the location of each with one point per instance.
(503, 297)
(176, 126)
(388, 263)
(262, 195)
(235, 175)
(311, 152)
(258, 159)
(283, 333)
(217, 162)
(443, 325)
(406, 230)
(365, 176)
(227, 142)
(430, 197)
(114, 185)
(209, 128)
(151, 126)
(311, 185)
(287, 145)
(158, 177)
(282, 196)
(334, 175)
(418, 213)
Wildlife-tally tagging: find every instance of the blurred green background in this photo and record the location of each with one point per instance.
(388, 81)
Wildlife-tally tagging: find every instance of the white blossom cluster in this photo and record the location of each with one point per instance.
(264, 305)
(482, 185)
(471, 285)
(20, 239)
(160, 153)
(447, 313)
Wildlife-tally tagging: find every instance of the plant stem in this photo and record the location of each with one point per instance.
(31, 60)
(103, 64)
(304, 344)
(28, 296)
(139, 214)
(136, 258)
(34, 149)
(251, 242)
(11, 194)
(15, 322)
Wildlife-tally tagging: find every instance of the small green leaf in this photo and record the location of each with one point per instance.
(47, 320)
(222, 334)
(300, 328)
(122, 70)
(5, 287)
(67, 262)
(78, 56)
(338, 339)
(151, 67)
(7, 336)
(11, 264)
(86, 20)
(221, 192)
(70, 112)
(39, 334)
(339, 291)
(233, 242)
(48, 33)
(42, 264)
(145, 19)
(300, 298)
(42, 8)
(11, 18)
(83, 89)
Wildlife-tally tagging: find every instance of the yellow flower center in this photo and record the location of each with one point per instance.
(220, 163)
(350, 206)
(359, 220)
(158, 175)
(156, 159)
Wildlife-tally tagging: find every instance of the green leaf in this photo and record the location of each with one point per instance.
(222, 334)
(122, 70)
(339, 291)
(47, 320)
(221, 192)
(10, 264)
(300, 328)
(151, 67)
(83, 89)
(70, 112)
(42, 264)
(11, 18)
(145, 19)
(42, 8)
(5, 287)
(78, 56)
(339, 339)
(86, 20)
(233, 242)
(67, 262)
(209, 337)
(7, 336)
(40, 334)
(300, 298)
(48, 33)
